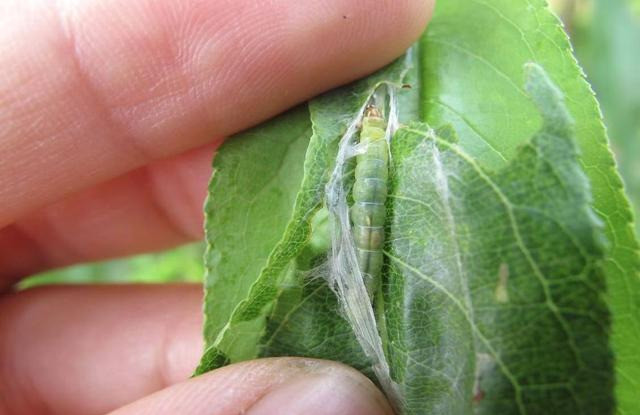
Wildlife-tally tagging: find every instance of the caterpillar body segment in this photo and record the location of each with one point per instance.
(369, 193)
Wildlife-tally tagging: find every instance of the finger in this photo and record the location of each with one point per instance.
(154, 207)
(88, 350)
(292, 386)
(92, 89)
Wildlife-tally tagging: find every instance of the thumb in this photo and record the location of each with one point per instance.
(268, 386)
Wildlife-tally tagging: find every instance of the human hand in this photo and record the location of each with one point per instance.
(110, 111)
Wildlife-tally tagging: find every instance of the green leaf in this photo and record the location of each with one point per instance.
(250, 252)
(499, 293)
(493, 298)
(525, 330)
(255, 182)
(472, 76)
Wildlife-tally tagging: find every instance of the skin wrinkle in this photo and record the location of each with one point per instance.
(166, 83)
(309, 368)
(227, 46)
(162, 360)
(238, 388)
(179, 186)
(128, 144)
(155, 55)
(38, 244)
(263, 65)
(50, 236)
(168, 372)
(52, 138)
(263, 389)
(140, 33)
(24, 253)
(162, 209)
(184, 203)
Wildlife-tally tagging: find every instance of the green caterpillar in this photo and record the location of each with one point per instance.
(369, 195)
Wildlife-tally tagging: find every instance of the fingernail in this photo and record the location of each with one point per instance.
(323, 394)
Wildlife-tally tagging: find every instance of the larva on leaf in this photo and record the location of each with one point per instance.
(369, 196)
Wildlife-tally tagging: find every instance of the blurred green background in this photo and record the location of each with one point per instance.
(176, 265)
(606, 38)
